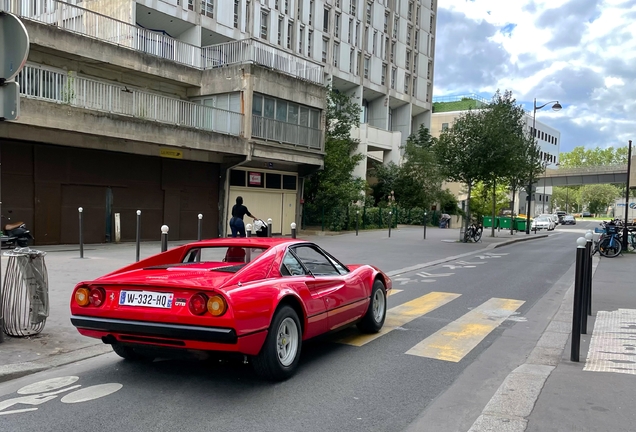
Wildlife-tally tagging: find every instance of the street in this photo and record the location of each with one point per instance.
(441, 319)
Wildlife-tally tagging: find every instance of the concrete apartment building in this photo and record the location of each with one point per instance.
(447, 109)
(175, 107)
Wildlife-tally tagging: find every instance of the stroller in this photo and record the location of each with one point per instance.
(260, 227)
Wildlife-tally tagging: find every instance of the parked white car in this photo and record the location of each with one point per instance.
(543, 223)
(553, 217)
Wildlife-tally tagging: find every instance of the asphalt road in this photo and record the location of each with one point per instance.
(446, 317)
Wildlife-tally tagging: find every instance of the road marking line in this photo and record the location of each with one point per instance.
(394, 291)
(458, 338)
(403, 314)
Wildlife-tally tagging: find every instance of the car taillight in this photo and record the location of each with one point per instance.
(217, 305)
(198, 303)
(97, 296)
(81, 296)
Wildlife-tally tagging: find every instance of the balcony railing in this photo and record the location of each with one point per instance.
(92, 24)
(66, 88)
(275, 130)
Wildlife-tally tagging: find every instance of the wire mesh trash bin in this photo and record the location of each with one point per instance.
(25, 293)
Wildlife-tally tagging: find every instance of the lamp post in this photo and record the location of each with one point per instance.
(629, 168)
(556, 107)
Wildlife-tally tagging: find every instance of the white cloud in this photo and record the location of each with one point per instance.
(581, 52)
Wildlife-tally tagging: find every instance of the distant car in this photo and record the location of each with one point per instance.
(568, 220)
(553, 217)
(543, 223)
(256, 297)
(560, 215)
(586, 214)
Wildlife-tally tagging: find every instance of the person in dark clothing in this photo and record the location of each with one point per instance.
(236, 223)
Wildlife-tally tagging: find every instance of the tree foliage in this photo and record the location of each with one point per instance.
(598, 197)
(481, 200)
(582, 157)
(335, 185)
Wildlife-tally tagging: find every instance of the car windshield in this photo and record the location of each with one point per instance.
(543, 219)
(568, 217)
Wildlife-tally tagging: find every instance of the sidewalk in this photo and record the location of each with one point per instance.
(60, 343)
(599, 392)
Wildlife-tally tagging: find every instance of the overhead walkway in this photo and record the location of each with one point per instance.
(606, 174)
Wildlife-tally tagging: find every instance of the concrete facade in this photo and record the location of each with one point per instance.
(91, 93)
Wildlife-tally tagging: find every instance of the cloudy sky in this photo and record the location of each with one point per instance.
(580, 52)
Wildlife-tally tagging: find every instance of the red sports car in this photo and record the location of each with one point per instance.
(259, 297)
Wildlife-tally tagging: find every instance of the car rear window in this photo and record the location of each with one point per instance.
(223, 254)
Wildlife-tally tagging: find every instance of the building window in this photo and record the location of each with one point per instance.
(358, 60)
(409, 30)
(277, 4)
(407, 82)
(415, 64)
(357, 33)
(392, 52)
(301, 39)
(264, 24)
(367, 60)
(396, 26)
(408, 60)
(375, 37)
(311, 11)
(350, 36)
(409, 13)
(414, 90)
(386, 48)
(369, 12)
(417, 16)
(336, 26)
(383, 76)
(325, 20)
(444, 126)
(352, 9)
(336, 54)
(416, 43)
(386, 22)
(366, 38)
(290, 31)
(352, 57)
(393, 77)
(280, 31)
(286, 7)
(236, 13)
(325, 47)
(207, 8)
(310, 38)
(337, 3)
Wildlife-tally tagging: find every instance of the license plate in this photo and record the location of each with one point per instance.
(145, 298)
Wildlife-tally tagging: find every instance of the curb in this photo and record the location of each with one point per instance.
(18, 370)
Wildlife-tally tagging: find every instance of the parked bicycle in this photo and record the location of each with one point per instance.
(473, 233)
(610, 242)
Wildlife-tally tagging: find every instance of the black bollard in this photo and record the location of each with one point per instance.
(424, 225)
(390, 222)
(81, 231)
(584, 291)
(588, 275)
(269, 227)
(576, 314)
(200, 227)
(357, 217)
(138, 237)
(164, 238)
(293, 229)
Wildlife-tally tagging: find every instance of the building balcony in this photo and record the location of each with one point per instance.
(270, 129)
(67, 88)
(377, 139)
(89, 23)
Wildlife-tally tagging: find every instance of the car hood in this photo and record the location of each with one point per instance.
(175, 276)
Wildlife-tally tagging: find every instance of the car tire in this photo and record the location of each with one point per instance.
(373, 319)
(280, 354)
(129, 353)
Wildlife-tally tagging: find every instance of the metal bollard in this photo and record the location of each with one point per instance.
(200, 227)
(578, 307)
(589, 236)
(424, 223)
(390, 222)
(293, 228)
(81, 231)
(269, 227)
(357, 217)
(164, 238)
(138, 236)
(584, 291)
(248, 230)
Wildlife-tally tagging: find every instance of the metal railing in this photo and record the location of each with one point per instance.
(92, 24)
(254, 51)
(601, 169)
(67, 88)
(275, 130)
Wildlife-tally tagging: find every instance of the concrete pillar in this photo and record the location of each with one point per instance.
(402, 122)
(379, 113)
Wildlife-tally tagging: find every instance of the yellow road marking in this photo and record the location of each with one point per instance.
(458, 338)
(402, 314)
(394, 291)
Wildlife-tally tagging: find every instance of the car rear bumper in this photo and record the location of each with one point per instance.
(169, 335)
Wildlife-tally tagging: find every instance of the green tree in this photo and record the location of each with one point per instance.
(598, 197)
(420, 181)
(448, 202)
(335, 186)
(481, 202)
(582, 157)
(386, 181)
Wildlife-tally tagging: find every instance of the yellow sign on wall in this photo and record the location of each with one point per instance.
(171, 153)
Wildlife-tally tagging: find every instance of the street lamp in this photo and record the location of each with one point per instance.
(556, 107)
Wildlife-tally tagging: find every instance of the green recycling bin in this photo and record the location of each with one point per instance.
(505, 222)
(487, 221)
(521, 224)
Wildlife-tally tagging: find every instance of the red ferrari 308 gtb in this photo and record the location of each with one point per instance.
(260, 297)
